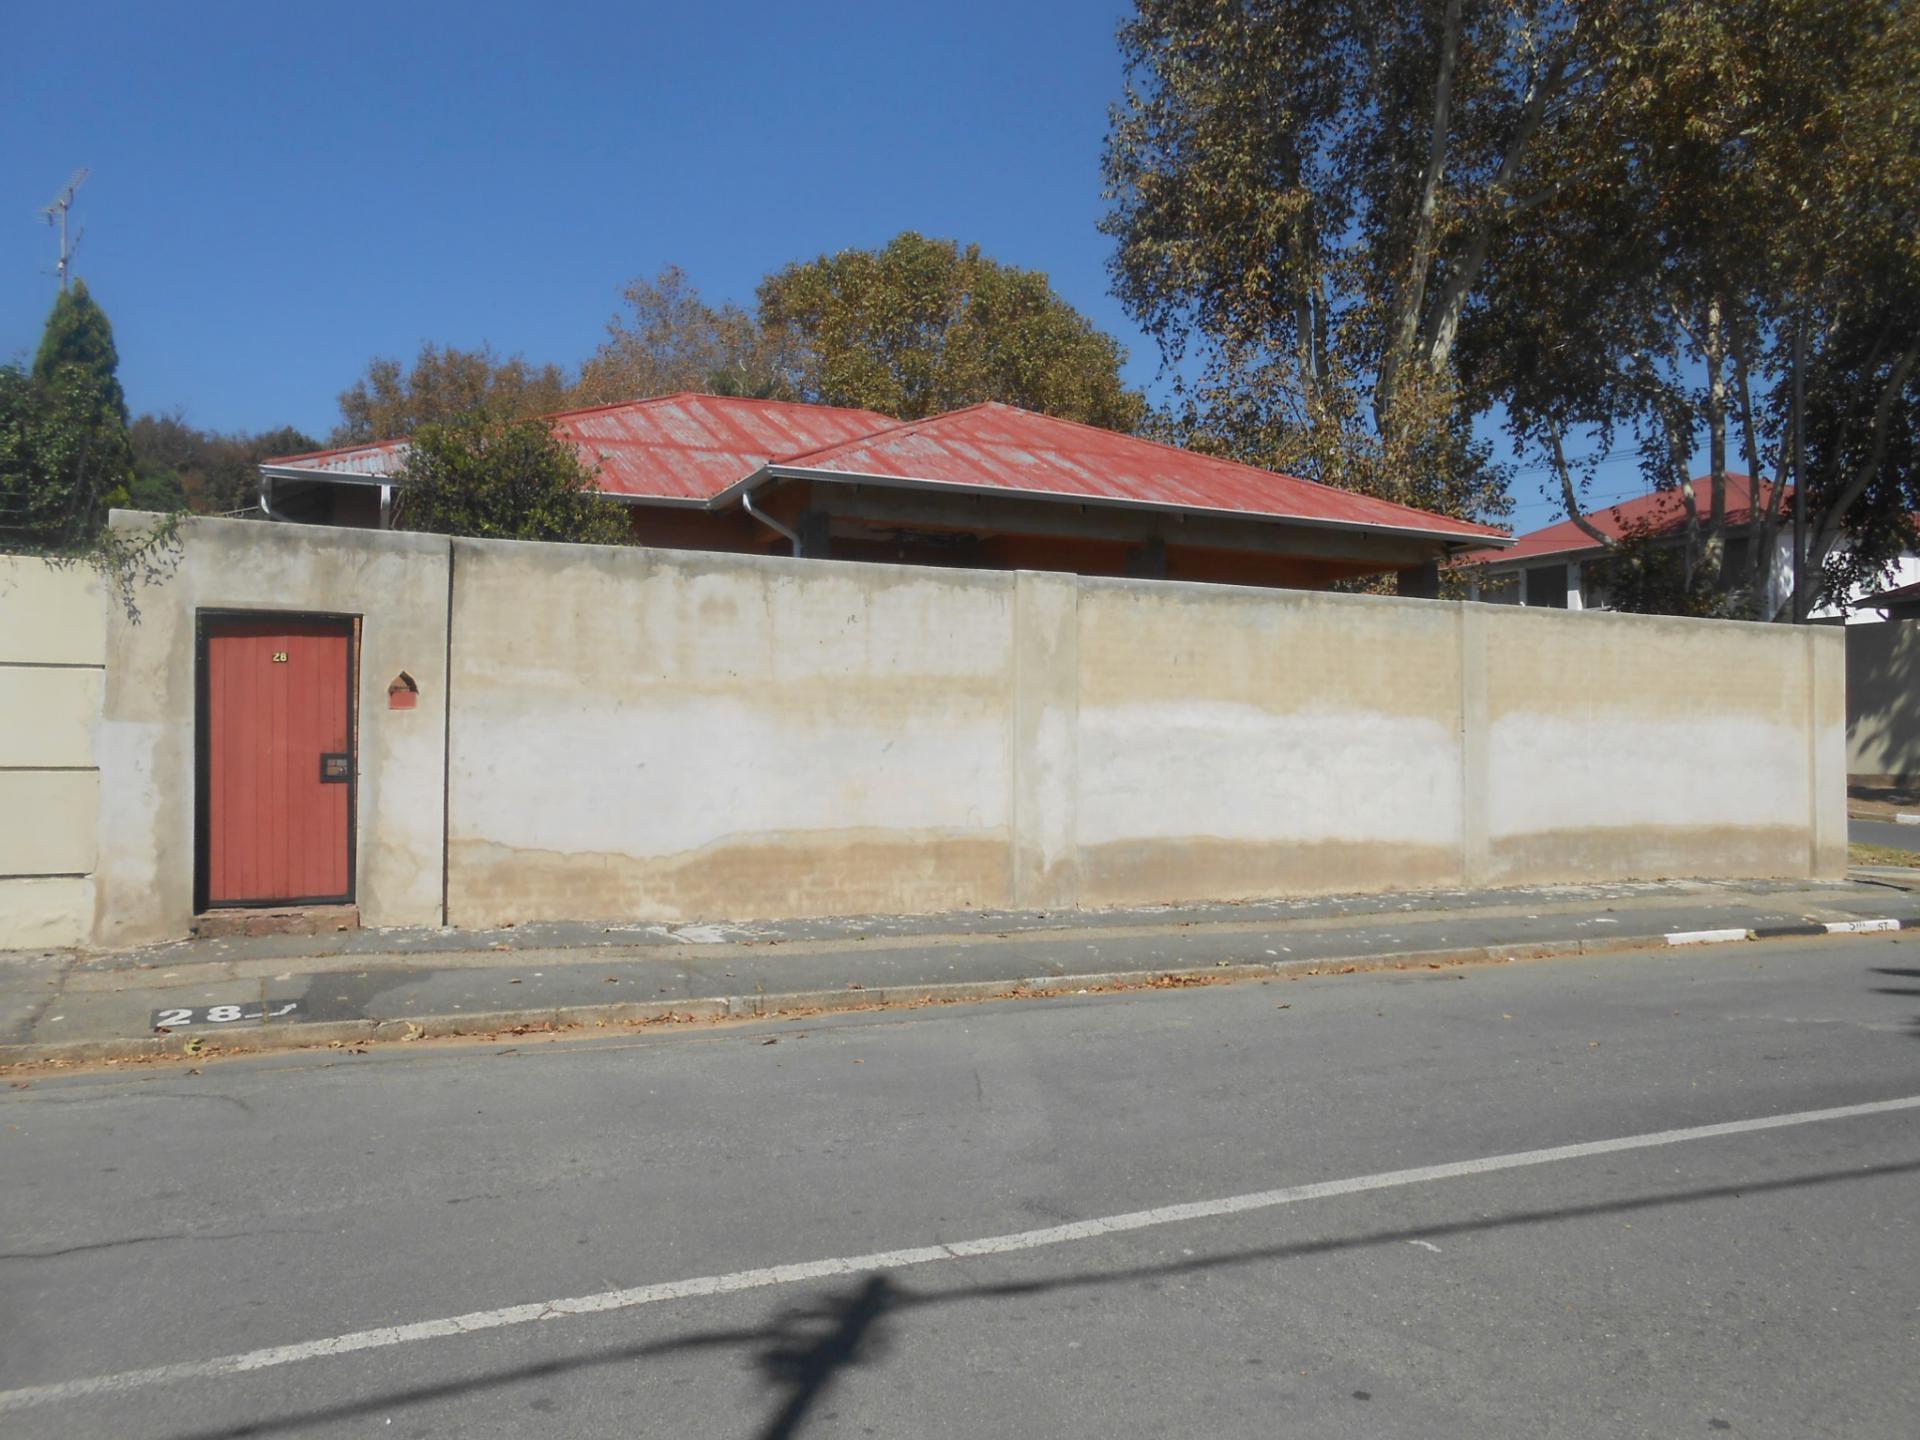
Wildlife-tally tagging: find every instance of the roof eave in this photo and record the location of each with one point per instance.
(349, 477)
(954, 487)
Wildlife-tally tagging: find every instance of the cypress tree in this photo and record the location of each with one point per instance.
(78, 333)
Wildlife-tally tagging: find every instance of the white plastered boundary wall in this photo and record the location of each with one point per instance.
(395, 585)
(626, 734)
(52, 670)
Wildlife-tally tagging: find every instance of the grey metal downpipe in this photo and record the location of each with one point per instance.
(266, 497)
(746, 504)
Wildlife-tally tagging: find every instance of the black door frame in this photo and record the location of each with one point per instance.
(206, 623)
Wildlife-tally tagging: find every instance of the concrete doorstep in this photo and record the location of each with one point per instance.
(252, 994)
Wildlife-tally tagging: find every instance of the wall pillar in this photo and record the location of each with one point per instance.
(1420, 583)
(814, 529)
(1044, 740)
(1826, 751)
(1476, 863)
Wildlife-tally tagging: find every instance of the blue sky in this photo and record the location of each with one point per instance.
(280, 192)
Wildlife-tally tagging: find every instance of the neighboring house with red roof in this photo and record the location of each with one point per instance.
(1562, 567)
(989, 486)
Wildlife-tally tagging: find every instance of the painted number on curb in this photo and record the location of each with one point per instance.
(180, 1016)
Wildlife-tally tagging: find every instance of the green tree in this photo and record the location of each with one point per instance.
(59, 465)
(210, 472)
(505, 479)
(1730, 256)
(79, 335)
(64, 455)
(921, 326)
(1305, 198)
(392, 401)
(670, 340)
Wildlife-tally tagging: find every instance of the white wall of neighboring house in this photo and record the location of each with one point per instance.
(1584, 593)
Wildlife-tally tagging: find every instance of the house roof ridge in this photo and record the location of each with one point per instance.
(898, 425)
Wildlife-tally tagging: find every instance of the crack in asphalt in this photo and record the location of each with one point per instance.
(152, 1239)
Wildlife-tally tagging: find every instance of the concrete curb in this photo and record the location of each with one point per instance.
(343, 1033)
(1782, 932)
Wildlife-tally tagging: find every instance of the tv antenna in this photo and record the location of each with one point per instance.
(56, 214)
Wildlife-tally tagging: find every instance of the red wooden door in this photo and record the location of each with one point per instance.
(279, 762)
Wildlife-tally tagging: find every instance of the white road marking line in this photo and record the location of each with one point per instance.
(1703, 937)
(479, 1320)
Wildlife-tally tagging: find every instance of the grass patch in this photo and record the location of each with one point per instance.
(1858, 854)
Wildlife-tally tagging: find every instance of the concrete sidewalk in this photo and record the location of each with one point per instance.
(280, 992)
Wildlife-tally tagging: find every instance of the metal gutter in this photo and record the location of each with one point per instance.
(746, 504)
(266, 495)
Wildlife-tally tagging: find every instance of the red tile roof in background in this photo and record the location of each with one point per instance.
(695, 448)
(996, 446)
(1663, 510)
(673, 447)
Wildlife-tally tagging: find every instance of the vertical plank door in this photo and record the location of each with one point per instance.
(278, 811)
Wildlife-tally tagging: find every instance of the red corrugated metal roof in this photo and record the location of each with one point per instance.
(696, 448)
(671, 447)
(1000, 447)
(691, 447)
(381, 457)
(1663, 511)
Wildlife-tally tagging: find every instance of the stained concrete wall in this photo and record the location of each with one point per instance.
(1658, 746)
(638, 734)
(396, 585)
(667, 735)
(1883, 703)
(52, 671)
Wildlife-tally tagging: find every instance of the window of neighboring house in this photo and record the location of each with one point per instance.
(1547, 586)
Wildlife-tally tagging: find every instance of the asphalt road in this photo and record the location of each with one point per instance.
(1752, 1282)
(1884, 832)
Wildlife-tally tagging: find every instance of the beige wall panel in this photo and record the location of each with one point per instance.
(48, 714)
(49, 825)
(1637, 747)
(397, 584)
(662, 735)
(1244, 742)
(50, 913)
(50, 614)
